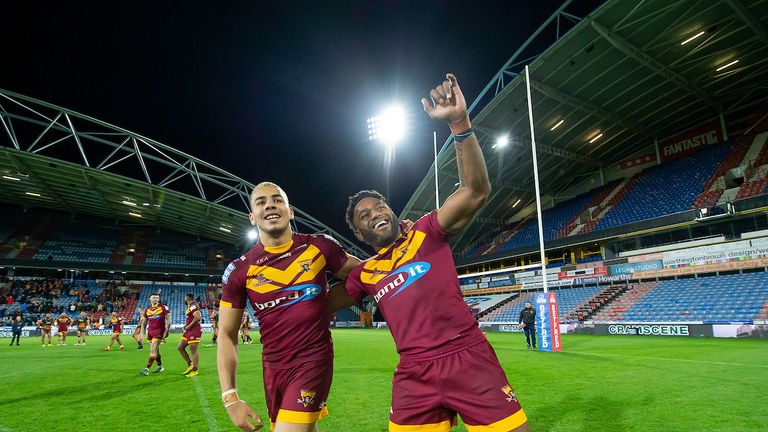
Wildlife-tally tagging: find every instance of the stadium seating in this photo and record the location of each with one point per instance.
(567, 300)
(555, 221)
(665, 189)
(614, 311)
(736, 297)
(166, 250)
(74, 242)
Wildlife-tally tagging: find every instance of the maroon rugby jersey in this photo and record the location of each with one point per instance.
(415, 284)
(117, 324)
(287, 288)
(156, 316)
(191, 315)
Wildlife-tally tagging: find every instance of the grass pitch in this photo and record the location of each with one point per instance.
(600, 383)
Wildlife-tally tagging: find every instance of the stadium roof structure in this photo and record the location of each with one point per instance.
(610, 86)
(51, 157)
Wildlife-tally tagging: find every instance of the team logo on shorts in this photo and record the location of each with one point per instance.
(509, 392)
(307, 398)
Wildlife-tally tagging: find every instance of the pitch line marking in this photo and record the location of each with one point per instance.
(212, 426)
(670, 359)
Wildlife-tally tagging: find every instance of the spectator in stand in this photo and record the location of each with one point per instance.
(528, 323)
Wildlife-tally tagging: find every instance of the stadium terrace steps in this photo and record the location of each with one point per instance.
(567, 300)
(496, 306)
(604, 207)
(614, 310)
(608, 191)
(595, 303)
(732, 160)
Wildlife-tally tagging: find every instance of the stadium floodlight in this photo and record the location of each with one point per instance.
(596, 137)
(128, 203)
(389, 127)
(727, 65)
(34, 194)
(501, 141)
(253, 234)
(226, 230)
(516, 203)
(11, 178)
(694, 37)
(135, 214)
(557, 125)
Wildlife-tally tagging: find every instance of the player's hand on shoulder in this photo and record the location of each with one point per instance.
(240, 413)
(408, 224)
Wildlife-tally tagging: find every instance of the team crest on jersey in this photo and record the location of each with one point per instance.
(305, 265)
(307, 398)
(261, 280)
(509, 392)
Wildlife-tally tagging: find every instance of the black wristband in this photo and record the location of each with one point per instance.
(461, 137)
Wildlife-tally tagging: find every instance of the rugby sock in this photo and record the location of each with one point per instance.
(150, 361)
(159, 360)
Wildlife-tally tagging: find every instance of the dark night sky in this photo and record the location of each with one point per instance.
(274, 91)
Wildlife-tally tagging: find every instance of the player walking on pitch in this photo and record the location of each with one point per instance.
(116, 323)
(284, 279)
(446, 365)
(137, 335)
(193, 331)
(157, 320)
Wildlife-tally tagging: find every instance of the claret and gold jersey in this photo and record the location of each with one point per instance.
(288, 289)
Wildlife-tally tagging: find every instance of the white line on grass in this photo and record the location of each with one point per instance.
(212, 426)
(668, 359)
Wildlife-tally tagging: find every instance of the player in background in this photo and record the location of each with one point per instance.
(446, 364)
(284, 278)
(137, 335)
(116, 323)
(63, 322)
(245, 329)
(193, 331)
(45, 323)
(83, 322)
(157, 320)
(215, 324)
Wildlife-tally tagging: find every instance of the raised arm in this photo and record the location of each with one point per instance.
(448, 104)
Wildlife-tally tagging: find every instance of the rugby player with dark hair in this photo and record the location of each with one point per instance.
(447, 366)
(83, 322)
(45, 323)
(284, 278)
(157, 320)
(193, 331)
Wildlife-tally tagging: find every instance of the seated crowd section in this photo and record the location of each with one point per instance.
(693, 181)
(49, 236)
(724, 298)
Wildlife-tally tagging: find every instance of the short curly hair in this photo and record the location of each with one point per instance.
(355, 199)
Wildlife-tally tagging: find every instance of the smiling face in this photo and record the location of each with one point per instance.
(375, 223)
(270, 210)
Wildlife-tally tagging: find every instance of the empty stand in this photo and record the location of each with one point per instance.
(567, 300)
(736, 297)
